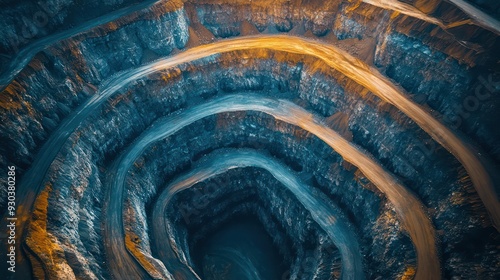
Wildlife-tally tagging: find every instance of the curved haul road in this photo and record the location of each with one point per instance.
(371, 79)
(409, 209)
(25, 55)
(405, 9)
(325, 215)
(32, 182)
(480, 18)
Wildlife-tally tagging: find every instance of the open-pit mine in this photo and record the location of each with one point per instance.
(250, 139)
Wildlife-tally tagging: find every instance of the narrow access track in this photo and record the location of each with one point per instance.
(24, 56)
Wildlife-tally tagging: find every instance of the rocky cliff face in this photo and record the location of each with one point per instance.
(26, 21)
(109, 123)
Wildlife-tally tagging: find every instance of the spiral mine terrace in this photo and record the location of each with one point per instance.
(323, 214)
(250, 139)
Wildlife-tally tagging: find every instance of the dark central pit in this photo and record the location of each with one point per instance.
(239, 249)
